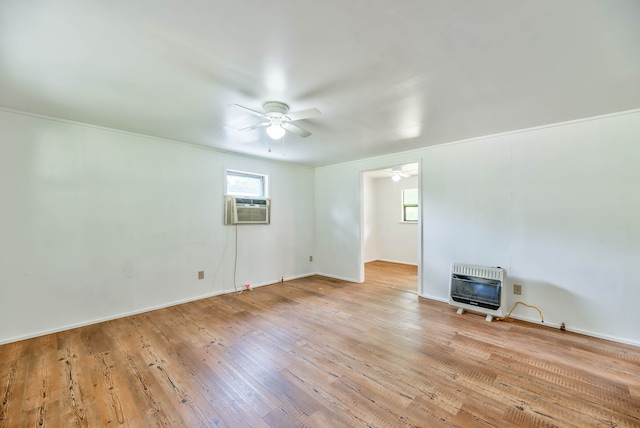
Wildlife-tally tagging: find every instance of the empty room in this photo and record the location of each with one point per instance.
(319, 214)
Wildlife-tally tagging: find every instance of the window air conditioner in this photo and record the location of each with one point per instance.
(239, 210)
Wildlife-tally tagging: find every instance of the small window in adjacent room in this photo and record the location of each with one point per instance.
(410, 205)
(246, 184)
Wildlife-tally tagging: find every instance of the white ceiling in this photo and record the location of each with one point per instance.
(387, 76)
(409, 169)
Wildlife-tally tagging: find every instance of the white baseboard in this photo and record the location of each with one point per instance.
(113, 317)
(579, 331)
(341, 278)
(141, 311)
(393, 261)
(218, 293)
(437, 299)
(554, 325)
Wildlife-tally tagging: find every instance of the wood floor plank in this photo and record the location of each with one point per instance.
(319, 352)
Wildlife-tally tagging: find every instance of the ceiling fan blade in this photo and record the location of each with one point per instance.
(400, 173)
(259, 125)
(303, 114)
(296, 130)
(257, 113)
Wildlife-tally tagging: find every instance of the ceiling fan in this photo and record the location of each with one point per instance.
(397, 174)
(277, 119)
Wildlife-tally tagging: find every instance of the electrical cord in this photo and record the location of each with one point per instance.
(522, 303)
(235, 264)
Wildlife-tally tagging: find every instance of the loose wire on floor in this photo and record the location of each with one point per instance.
(522, 303)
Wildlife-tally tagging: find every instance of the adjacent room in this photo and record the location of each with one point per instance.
(390, 214)
(324, 214)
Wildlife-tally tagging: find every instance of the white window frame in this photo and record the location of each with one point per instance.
(404, 205)
(263, 178)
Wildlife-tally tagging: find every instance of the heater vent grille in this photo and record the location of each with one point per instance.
(478, 288)
(479, 271)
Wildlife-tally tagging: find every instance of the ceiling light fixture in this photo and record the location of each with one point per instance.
(275, 131)
(396, 177)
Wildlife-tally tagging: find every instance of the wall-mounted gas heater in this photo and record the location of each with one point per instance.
(478, 289)
(239, 210)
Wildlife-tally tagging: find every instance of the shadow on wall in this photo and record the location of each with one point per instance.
(558, 305)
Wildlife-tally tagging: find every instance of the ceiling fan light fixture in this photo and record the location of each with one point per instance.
(275, 131)
(396, 177)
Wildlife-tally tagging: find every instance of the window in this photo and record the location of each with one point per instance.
(409, 204)
(246, 184)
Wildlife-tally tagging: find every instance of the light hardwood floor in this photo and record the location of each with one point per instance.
(318, 352)
(394, 275)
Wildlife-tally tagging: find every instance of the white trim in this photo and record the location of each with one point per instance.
(579, 331)
(356, 161)
(437, 299)
(142, 311)
(114, 317)
(151, 137)
(552, 325)
(341, 278)
(291, 278)
(420, 288)
(483, 137)
(395, 261)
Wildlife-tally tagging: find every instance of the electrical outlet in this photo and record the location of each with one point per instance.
(201, 274)
(310, 258)
(517, 289)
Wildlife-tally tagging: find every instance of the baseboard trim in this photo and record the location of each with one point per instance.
(290, 278)
(114, 317)
(393, 261)
(341, 278)
(142, 311)
(580, 331)
(436, 298)
(554, 325)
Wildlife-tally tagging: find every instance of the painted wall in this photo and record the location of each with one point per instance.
(397, 241)
(97, 223)
(370, 223)
(339, 215)
(557, 206)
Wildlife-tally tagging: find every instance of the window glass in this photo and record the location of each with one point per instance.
(410, 210)
(246, 184)
(410, 213)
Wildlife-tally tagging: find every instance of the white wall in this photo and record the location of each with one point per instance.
(338, 215)
(97, 223)
(371, 230)
(558, 207)
(397, 241)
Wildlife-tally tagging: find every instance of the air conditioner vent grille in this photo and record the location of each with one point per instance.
(247, 211)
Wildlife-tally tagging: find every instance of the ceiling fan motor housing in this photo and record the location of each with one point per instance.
(277, 118)
(275, 109)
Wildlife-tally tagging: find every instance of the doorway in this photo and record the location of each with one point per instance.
(390, 251)
(393, 275)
